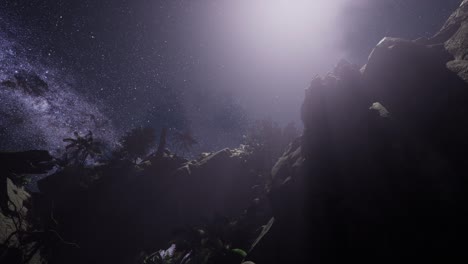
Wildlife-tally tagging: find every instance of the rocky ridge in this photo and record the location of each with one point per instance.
(379, 173)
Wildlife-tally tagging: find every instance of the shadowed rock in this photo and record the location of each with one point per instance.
(385, 186)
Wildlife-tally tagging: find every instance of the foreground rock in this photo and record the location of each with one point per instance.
(379, 174)
(133, 208)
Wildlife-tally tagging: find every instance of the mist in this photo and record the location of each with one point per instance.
(211, 67)
(265, 53)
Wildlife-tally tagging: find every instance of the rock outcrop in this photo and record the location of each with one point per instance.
(379, 174)
(132, 208)
(455, 35)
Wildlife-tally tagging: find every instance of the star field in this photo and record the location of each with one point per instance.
(159, 63)
(29, 120)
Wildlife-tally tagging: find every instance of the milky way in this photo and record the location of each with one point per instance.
(186, 64)
(42, 121)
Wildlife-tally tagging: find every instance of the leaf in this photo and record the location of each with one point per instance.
(239, 252)
(265, 229)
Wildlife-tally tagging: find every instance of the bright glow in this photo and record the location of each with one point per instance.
(267, 51)
(278, 30)
(286, 18)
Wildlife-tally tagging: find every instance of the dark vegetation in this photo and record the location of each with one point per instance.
(79, 148)
(140, 189)
(184, 141)
(378, 175)
(136, 143)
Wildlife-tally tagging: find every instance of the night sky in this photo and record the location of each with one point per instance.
(179, 64)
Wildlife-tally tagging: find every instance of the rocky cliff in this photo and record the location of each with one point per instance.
(379, 174)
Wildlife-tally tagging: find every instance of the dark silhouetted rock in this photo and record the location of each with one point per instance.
(379, 173)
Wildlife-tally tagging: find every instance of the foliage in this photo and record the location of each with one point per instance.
(25, 241)
(210, 244)
(184, 140)
(137, 142)
(168, 256)
(80, 148)
(239, 252)
(220, 241)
